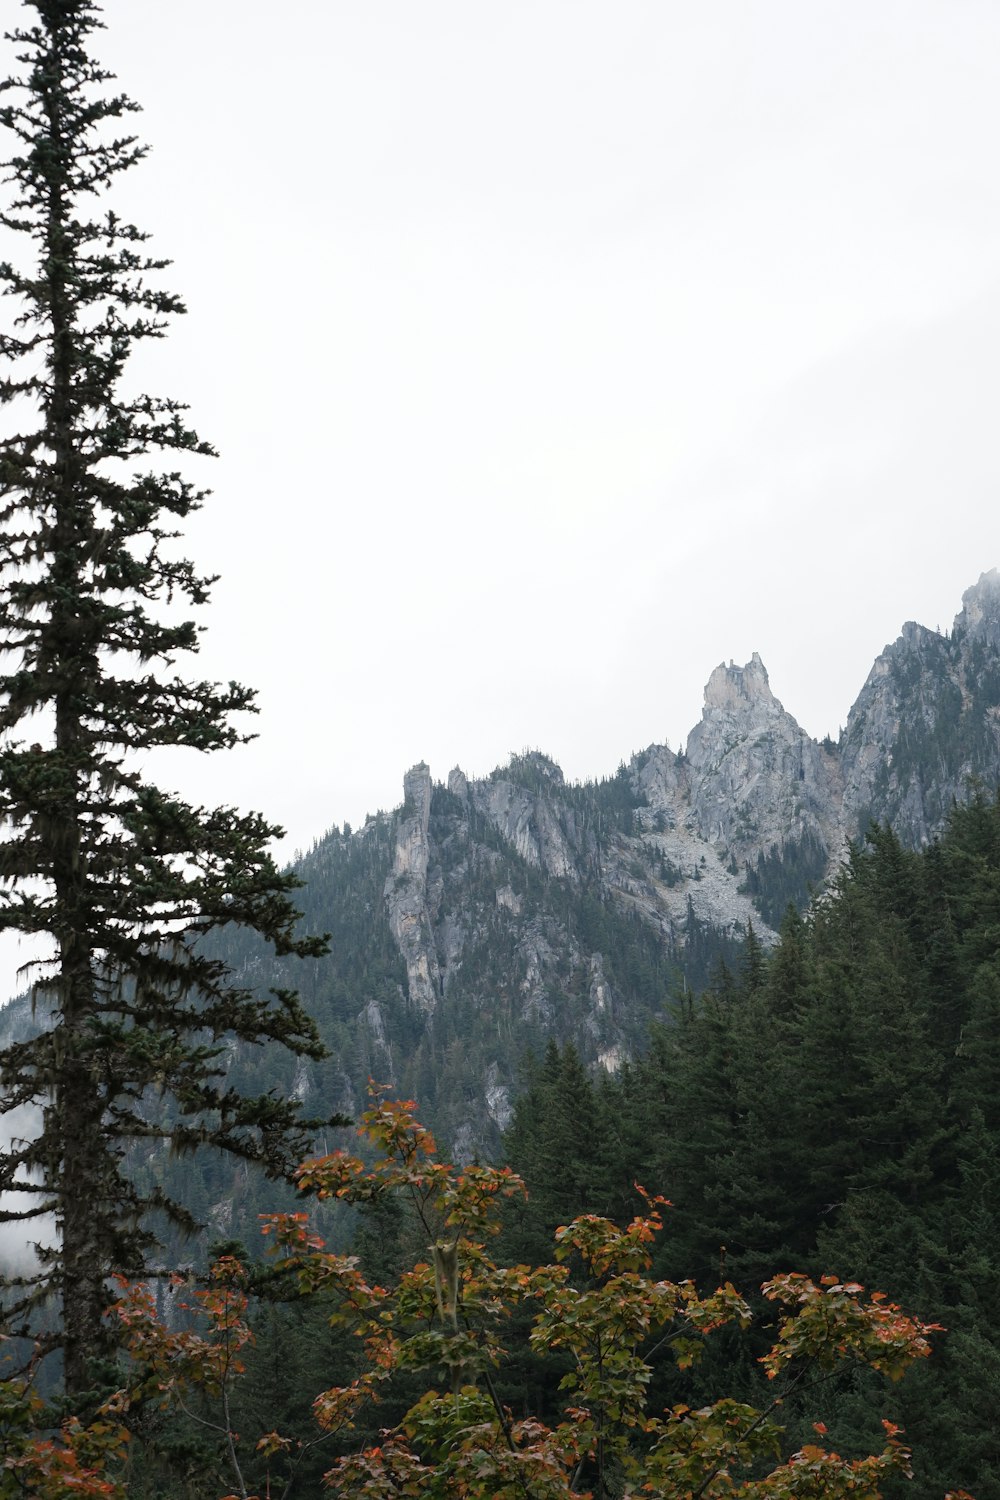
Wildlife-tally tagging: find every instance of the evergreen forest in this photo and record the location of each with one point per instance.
(826, 1108)
(744, 1183)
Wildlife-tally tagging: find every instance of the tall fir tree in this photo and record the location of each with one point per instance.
(125, 877)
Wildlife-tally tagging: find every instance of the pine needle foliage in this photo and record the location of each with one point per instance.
(134, 1014)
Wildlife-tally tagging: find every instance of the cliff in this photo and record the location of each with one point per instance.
(487, 915)
(522, 907)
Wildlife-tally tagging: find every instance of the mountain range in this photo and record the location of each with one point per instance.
(482, 917)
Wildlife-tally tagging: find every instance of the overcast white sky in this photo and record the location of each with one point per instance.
(557, 350)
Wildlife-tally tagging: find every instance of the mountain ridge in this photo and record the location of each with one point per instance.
(520, 906)
(486, 916)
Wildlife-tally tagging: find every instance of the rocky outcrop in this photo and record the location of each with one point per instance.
(926, 724)
(979, 617)
(682, 877)
(660, 779)
(410, 919)
(487, 916)
(458, 784)
(717, 838)
(497, 1096)
(523, 907)
(756, 778)
(372, 1023)
(527, 819)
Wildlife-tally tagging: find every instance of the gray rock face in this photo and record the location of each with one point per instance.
(660, 778)
(756, 778)
(926, 722)
(372, 1021)
(527, 821)
(484, 918)
(458, 784)
(720, 834)
(514, 902)
(406, 892)
(979, 616)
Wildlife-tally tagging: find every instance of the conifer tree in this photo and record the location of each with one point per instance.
(125, 877)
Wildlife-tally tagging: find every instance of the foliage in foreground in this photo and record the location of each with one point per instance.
(441, 1331)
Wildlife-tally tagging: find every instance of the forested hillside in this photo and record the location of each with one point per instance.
(484, 917)
(577, 980)
(828, 1107)
(538, 1139)
(832, 1106)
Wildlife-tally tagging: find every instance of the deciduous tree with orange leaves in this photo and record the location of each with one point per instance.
(443, 1324)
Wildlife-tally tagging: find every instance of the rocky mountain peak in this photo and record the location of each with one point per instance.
(534, 769)
(739, 707)
(913, 636)
(458, 783)
(482, 918)
(926, 722)
(734, 688)
(757, 779)
(406, 895)
(980, 613)
(417, 794)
